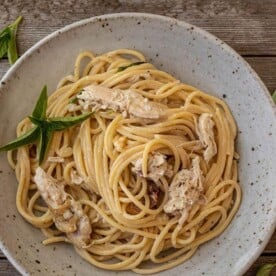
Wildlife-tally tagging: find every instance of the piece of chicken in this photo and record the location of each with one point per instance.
(68, 214)
(205, 132)
(185, 190)
(129, 102)
(158, 166)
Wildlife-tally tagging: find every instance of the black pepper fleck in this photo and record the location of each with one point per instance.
(37, 261)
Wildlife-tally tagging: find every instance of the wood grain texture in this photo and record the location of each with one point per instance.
(265, 67)
(271, 246)
(248, 26)
(7, 269)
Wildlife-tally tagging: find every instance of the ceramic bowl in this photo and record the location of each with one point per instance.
(193, 56)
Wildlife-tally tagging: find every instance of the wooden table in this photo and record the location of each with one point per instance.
(246, 25)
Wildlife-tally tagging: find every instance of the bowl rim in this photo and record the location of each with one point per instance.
(254, 255)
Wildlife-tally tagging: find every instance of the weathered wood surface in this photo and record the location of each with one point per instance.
(246, 25)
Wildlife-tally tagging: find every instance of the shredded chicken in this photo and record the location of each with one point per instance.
(129, 102)
(76, 178)
(68, 214)
(206, 135)
(158, 166)
(185, 190)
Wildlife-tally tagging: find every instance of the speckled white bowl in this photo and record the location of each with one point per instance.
(192, 55)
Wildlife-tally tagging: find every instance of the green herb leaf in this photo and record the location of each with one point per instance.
(25, 139)
(4, 32)
(44, 127)
(274, 96)
(15, 24)
(73, 100)
(265, 269)
(8, 41)
(12, 49)
(39, 111)
(61, 123)
(4, 41)
(38, 122)
(44, 141)
(122, 68)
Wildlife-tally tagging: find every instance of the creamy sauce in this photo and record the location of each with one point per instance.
(158, 166)
(205, 131)
(129, 102)
(69, 216)
(185, 190)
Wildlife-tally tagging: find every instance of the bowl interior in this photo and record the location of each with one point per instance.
(193, 56)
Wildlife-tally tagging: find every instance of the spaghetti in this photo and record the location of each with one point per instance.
(145, 181)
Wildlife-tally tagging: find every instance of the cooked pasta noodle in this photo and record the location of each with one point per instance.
(154, 184)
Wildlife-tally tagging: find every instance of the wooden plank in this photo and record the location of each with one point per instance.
(262, 260)
(266, 69)
(7, 269)
(248, 26)
(264, 66)
(4, 66)
(271, 246)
